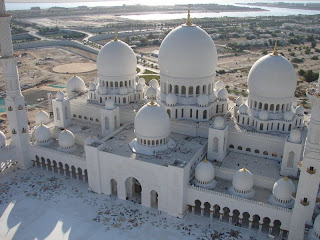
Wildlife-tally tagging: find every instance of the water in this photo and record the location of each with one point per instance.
(109, 3)
(2, 105)
(270, 11)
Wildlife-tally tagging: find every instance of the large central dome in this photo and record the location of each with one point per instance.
(116, 59)
(188, 52)
(272, 76)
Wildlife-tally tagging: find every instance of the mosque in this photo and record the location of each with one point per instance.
(179, 146)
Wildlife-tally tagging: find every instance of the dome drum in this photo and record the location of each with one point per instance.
(155, 142)
(270, 105)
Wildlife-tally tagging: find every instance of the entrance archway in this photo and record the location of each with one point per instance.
(113, 185)
(154, 199)
(133, 190)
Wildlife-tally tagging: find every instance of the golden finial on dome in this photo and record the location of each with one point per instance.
(115, 35)
(244, 169)
(205, 159)
(65, 129)
(152, 103)
(188, 23)
(286, 178)
(275, 50)
(91, 135)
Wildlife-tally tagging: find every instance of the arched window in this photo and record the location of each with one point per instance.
(265, 153)
(169, 113)
(215, 143)
(256, 151)
(58, 113)
(190, 90)
(290, 160)
(240, 148)
(261, 126)
(274, 155)
(231, 146)
(248, 149)
(183, 90)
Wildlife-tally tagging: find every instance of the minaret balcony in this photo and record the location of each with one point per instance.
(304, 202)
(311, 170)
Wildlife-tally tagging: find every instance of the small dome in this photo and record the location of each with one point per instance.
(316, 225)
(123, 91)
(2, 140)
(203, 100)
(151, 91)
(288, 116)
(116, 59)
(239, 101)
(218, 123)
(219, 85)
(264, 115)
(102, 90)
(171, 99)
(243, 109)
(42, 134)
(272, 77)
(151, 122)
(109, 104)
(60, 96)
(295, 136)
(223, 94)
(204, 172)
(300, 110)
(90, 140)
(142, 81)
(75, 84)
(92, 86)
(139, 87)
(154, 83)
(283, 189)
(66, 139)
(242, 180)
(42, 117)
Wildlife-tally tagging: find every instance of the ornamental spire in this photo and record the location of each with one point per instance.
(205, 159)
(188, 23)
(275, 50)
(2, 7)
(152, 103)
(116, 35)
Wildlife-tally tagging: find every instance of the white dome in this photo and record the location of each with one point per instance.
(2, 140)
(295, 136)
(151, 91)
(42, 117)
(154, 83)
(42, 134)
(219, 85)
(239, 101)
(263, 115)
(283, 189)
(243, 109)
(60, 96)
(152, 122)
(203, 100)
(142, 81)
(139, 87)
(188, 52)
(90, 140)
(316, 225)
(123, 91)
(92, 86)
(171, 99)
(102, 90)
(66, 139)
(288, 116)
(109, 104)
(116, 59)
(242, 180)
(218, 123)
(223, 94)
(75, 84)
(300, 110)
(204, 172)
(272, 77)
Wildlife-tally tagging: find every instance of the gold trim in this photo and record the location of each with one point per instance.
(152, 103)
(188, 23)
(115, 35)
(275, 50)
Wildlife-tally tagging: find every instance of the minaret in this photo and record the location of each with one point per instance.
(310, 172)
(16, 106)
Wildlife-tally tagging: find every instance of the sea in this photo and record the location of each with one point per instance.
(269, 11)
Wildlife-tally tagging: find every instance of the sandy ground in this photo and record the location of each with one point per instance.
(37, 65)
(36, 204)
(75, 68)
